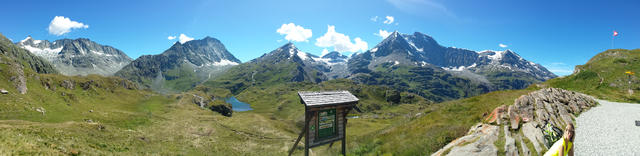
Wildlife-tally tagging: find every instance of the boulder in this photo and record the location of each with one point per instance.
(510, 148)
(496, 115)
(224, 109)
(68, 84)
(514, 117)
(199, 100)
(534, 135)
(86, 85)
(3, 91)
(479, 141)
(523, 146)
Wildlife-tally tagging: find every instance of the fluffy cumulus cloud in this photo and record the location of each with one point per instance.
(383, 33)
(184, 38)
(502, 45)
(389, 20)
(61, 25)
(294, 32)
(171, 37)
(340, 42)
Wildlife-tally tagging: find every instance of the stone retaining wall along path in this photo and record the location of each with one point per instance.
(608, 129)
(517, 129)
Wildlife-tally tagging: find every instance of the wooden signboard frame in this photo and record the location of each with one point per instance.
(325, 118)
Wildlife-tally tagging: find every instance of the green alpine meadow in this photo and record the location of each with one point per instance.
(352, 78)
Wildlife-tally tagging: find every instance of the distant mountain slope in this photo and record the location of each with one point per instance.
(22, 56)
(180, 67)
(498, 69)
(604, 76)
(79, 56)
(285, 64)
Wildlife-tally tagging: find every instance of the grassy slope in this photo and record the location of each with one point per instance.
(609, 67)
(435, 85)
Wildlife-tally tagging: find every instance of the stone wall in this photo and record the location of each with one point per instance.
(518, 128)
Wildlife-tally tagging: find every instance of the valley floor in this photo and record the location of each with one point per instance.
(608, 129)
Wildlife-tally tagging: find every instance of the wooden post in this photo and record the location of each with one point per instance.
(306, 136)
(304, 132)
(344, 131)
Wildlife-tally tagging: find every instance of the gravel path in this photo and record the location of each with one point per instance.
(608, 129)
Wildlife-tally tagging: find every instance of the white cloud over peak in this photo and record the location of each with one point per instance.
(340, 42)
(171, 37)
(324, 52)
(383, 33)
(502, 45)
(184, 38)
(389, 20)
(61, 25)
(294, 32)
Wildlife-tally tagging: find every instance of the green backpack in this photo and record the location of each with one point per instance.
(551, 134)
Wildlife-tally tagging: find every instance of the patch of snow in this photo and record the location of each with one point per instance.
(46, 52)
(413, 45)
(302, 55)
(423, 63)
(497, 56)
(37, 41)
(224, 62)
(396, 63)
(374, 49)
(291, 52)
(102, 54)
(460, 68)
(28, 37)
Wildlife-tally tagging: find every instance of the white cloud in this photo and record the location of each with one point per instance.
(184, 38)
(171, 37)
(61, 25)
(383, 33)
(374, 19)
(389, 20)
(502, 45)
(340, 42)
(324, 52)
(294, 32)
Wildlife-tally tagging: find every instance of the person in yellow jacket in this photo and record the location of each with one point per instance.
(564, 146)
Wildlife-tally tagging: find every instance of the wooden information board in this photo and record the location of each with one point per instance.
(325, 118)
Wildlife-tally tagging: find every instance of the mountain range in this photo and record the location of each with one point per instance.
(498, 69)
(406, 62)
(78, 56)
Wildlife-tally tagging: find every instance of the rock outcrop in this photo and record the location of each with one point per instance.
(522, 124)
(18, 78)
(213, 104)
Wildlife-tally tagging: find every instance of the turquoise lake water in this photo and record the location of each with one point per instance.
(237, 105)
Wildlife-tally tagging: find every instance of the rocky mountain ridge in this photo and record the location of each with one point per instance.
(78, 56)
(181, 67)
(489, 67)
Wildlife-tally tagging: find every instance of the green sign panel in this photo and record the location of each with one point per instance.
(326, 123)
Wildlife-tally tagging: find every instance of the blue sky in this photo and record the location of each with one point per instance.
(556, 34)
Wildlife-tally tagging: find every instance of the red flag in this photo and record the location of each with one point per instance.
(615, 33)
